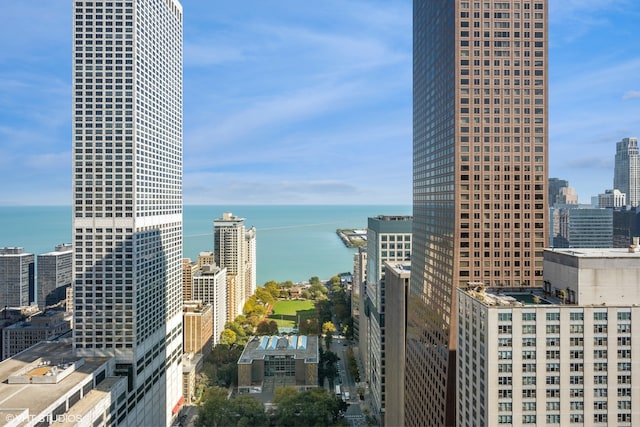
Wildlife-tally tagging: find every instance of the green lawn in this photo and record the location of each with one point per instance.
(286, 313)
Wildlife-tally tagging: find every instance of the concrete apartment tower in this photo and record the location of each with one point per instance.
(626, 170)
(479, 175)
(17, 278)
(127, 204)
(55, 273)
(234, 248)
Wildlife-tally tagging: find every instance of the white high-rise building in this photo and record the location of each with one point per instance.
(127, 203)
(626, 172)
(563, 354)
(209, 285)
(235, 249)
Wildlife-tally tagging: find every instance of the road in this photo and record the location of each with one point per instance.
(354, 412)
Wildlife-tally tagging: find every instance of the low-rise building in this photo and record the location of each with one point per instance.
(268, 362)
(41, 327)
(191, 365)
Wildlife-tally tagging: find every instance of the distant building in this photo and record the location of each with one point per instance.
(235, 250)
(268, 362)
(397, 277)
(210, 287)
(206, 258)
(561, 355)
(250, 266)
(567, 196)
(612, 199)
(626, 225)
(555, 184)
(579, 227)
(233, 297)
(388, 240)
(41, 327)
(17, 277)
(55, 274)
(198, 331)
(357, 289)
(188, 270)
(626, 172)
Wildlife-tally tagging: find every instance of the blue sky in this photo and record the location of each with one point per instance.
(291, 103)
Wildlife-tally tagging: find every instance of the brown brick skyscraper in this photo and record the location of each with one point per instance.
(479, 176)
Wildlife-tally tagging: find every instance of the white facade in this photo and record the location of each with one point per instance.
(626, 172)
(127, 204)
(562, 355)
(612, 199)
(235, 250)
(209, 285)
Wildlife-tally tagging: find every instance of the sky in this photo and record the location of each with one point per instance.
(287, 102)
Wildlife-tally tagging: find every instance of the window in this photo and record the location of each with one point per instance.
(553, 316)
(576, 316)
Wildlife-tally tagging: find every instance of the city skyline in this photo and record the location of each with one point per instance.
(288, 103)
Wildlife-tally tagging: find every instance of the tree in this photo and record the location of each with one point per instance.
(328, 328)
(265, 297)
(217, 411)
(267, 328)
(315, 407)
(273, 288)
(228, 337)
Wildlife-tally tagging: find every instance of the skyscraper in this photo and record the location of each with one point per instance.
(626, 171)
(555, 184)
(235, 250)
(17, 278)
(127, 203)
(55, 273)
(479, 175)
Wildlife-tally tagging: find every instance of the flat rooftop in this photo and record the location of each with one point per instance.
(38, 397)
(513, 297)
(596, 252)
(298, 346)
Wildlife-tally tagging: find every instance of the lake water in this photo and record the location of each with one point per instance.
(292, 242)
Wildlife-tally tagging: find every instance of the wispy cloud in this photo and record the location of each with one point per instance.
(632, 94)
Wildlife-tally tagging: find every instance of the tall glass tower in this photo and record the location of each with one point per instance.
(127, 197)
(626, 172)
(479, 176)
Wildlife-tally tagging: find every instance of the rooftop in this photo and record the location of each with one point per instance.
(598, 252)
(515, 297)
(38, 397)
(299, 346)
